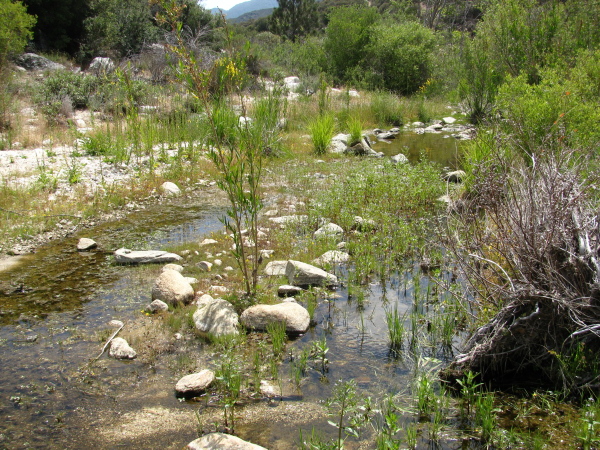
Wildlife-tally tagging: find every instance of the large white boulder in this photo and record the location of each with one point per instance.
(172, 288)
(215, 317)
(295, 317)
(120, 349)
(302, 274)
(196, 383)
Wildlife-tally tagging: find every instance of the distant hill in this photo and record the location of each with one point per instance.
(253, 15)
(248, 7)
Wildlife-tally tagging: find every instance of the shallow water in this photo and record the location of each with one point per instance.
(441, 148)
(55, 305)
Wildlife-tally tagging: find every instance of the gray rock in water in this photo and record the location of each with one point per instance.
(85, 244)
(386, 136)
(449, 120)
(157, 306)
(31, 61)
(399, 159)
(196, 383)
(216, 317)
(294, 316)
(332, 257)
(276, 268)
(126, 256)
(172, 288)
(222, 441)
(120, 349)
(287, 290)
(302, 274)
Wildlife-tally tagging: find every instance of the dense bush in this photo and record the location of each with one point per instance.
(398, 56)
(346, 37)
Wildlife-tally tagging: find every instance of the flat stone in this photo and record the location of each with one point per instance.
(120, 349)
(449, 120)
(287, 220)
(209, 242)
(85, 244)
(196, 383)
(222, 441)
(126, 256)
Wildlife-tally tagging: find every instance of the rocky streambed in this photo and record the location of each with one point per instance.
(57, 305)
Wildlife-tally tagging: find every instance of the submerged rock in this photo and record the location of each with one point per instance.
(295, 317)
(120, 349)
(172, 288)
(222, 441)
(126, 256)
(216, 317)
(196, 383)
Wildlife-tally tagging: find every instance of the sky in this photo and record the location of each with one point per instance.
(223, 4)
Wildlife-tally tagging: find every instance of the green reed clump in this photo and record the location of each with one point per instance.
(355, 129)
(276, 331)
(395, 324)
(321, 131)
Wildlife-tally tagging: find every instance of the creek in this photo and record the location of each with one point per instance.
(55, 306)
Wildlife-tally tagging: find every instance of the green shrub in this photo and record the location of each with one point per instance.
(347, 35)
(397, 56)
(66, 84)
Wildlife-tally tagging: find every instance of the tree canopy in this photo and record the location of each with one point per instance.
(294, 18)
